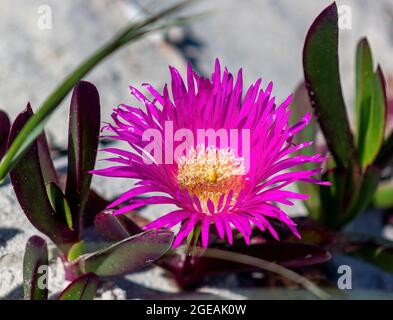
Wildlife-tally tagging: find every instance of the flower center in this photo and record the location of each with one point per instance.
(210, 172)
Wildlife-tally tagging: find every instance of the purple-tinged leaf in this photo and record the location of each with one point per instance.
(321, 71)
(59, 203)
(35, 269)
(82, 288)
(389, 99)
(314, 233)
(76, 250)
(29, 186)
(364, 75)
(128, 255)
(84, 128)
(47, 167)
(336, 200)
(94, 205)
(287, 254)
(115, 228)
(5, 126)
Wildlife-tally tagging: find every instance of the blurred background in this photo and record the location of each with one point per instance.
(264, 37)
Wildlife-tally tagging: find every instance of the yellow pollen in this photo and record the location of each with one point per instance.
(210, 172)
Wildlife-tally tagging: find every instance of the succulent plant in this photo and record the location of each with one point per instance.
(58, 211)
(36, 281)
(358, 156)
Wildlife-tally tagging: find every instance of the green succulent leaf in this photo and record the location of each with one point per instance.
(47, 167)
(364, 195)
(35, 269)
(76, 250)
(84, 128)
(82, 288)
(372, 117)
(29, 186)
(334, 200)
(321, 71)
(115, 227)
(128, 255)
(59, 203)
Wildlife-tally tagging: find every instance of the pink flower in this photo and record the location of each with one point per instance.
(210, 183)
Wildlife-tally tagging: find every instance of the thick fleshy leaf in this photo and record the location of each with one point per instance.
(47, 167)
(321, 71)
(372, 122)
(59, 203)
(82, 288)
(115, 228)
(94, 205)
(5, 126)
(364, 76)
(349, 195)
(84, 128)
(128, 255)
(364, 194)
(28, 183)
(35, 269)
(335, 200)
(76, 250)
(287, 254)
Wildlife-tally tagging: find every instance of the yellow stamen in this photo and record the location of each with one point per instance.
(210, 172)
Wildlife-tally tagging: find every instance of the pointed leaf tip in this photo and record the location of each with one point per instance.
(82, 288)
(84, 128)
(321, 71)
(115, 227)
(128, 255)
(35, 269)
(31, 193)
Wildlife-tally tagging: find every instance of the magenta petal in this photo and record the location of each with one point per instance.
(185, 230)
(219, 226)
(205, 231)
(169, 220)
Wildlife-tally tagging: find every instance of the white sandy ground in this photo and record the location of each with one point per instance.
(265, 37)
